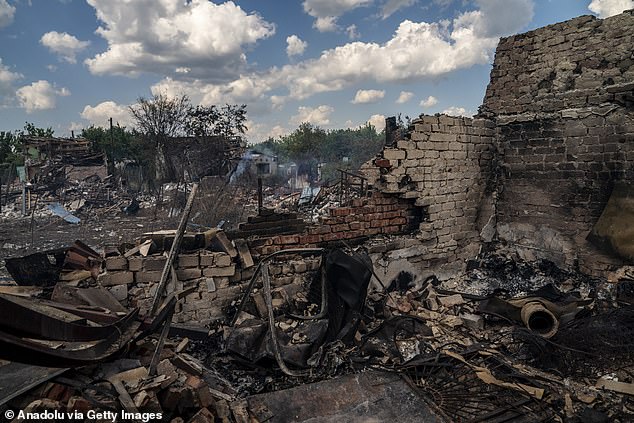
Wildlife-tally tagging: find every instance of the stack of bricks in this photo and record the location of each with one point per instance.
(217, 279)
(378, 214)
(444, 167)
(562, 97)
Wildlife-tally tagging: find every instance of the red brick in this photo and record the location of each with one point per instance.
(318, 230)
(356, 225)
(341, 228)
(398, 221)
(289, 239)
(330, 237)
(385, 163)
(389, 229)
(308, 239)
(376, 223)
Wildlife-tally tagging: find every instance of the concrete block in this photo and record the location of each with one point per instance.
(135, 264)
(222, 260)
(219, 271)
(188, 260)
(115, 278)
(187, 274)
(148, 277)
(116, 263)
(154, 263)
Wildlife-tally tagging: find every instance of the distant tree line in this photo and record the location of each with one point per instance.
(308, 146)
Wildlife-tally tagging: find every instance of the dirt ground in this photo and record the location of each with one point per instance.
(22, 236)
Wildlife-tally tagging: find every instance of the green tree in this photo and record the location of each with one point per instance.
(33, 131)
(10, 147)
(227, 121)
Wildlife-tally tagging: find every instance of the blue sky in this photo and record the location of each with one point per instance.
(68, 64)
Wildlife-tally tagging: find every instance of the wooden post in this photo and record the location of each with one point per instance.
(173, 251)
(260, 200)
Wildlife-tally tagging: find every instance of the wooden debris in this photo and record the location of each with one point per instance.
(613, 385)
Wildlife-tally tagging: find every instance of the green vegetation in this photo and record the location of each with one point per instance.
(310, 145)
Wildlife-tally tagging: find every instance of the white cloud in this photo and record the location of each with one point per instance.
(51, 68)
(496, 18)
(295, 46)
(160, 36)
(607, 8)
(7, 78)
(102, 112)
(429, 101)
(368, 96)
(75, 127)
(456, 111)
(317, 116)
(65, 45)
(6, 13)
(259, 132)
(326, 12)
(392, 6)
(352, 32)
(404, 97)
(378, 121)
(40, 95)
(416, 51)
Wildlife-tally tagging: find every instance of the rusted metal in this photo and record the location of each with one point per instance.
(30, 318)
(68, 354)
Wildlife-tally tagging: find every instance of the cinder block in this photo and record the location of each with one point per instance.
(154, 263)
(116, 263)
(188, 260)
(219, 271)
(135, 264)
(115, 278)
(187, 274)
(222, 260)
(148, 277)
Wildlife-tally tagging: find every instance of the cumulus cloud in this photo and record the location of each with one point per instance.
(378, 121)
(259, 132)
(352, 32)
(39, 95)
(326, 12)
(317, 116)
(417, 50)
(161, 36)
(6, 13)
(607, 8)
(7, 78)
(456, 111)
(429, 101)
(102, 112)
(65, 45)
(295, 46)
(368, 96)
(392, 6)
(404, 97)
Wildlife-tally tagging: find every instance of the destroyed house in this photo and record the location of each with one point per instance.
(483, 273)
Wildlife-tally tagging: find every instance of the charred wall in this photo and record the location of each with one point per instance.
(562, 99)
(445, 167)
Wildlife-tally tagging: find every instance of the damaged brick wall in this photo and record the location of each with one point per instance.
(562, 99)
(445, 167)
(365, 217)
(215, 280)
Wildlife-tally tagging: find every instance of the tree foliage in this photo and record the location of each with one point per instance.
(160, 117)
(227, 120)
(310, 145)
(11, 142)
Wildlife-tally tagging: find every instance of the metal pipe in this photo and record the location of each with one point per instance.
(539, 319)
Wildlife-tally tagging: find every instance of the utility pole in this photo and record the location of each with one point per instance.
(111, 141)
